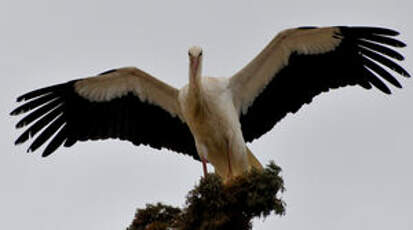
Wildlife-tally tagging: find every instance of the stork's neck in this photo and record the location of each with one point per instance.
(195, 81)
(196, 96)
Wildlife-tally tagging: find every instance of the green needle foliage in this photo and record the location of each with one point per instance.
(155, 217)
(211, 205)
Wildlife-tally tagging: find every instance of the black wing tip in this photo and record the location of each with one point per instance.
(26, 96)
(369, 30)
(31, 94)
(406, 74)
(14, 113)
(398, 44)
(379, 48)
(18, 142)
(383, 60)
(403, 72)
(383, 31)
(381, 86)
(45, 90)
(30, 150)
(46, 154)
(399, 58)
(386, 91)
(20, 99)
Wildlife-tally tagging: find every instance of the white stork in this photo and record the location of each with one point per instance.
(211, 119)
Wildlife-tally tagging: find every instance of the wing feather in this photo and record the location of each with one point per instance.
(56, 142)
(382, 49)
(33, 104)
(384, 40)
(47, 133)
(381, 72)
(39, 124)
(385, 61)
(38, 92)
(300, 63)
(38, 112)
(126, 104)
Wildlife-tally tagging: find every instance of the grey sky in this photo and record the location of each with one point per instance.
(346, 157)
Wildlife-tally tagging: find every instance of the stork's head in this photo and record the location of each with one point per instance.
(195, 62)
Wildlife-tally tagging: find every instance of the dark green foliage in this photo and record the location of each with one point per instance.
(154, 217)
(211, 205)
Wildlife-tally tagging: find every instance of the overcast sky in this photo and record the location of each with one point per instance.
(346, 158)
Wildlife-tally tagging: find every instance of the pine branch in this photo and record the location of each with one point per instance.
(211, 205)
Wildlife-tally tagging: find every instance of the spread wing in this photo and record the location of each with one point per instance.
(300, 63)
(125, 103)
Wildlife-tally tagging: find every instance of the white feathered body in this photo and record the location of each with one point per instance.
(213, 121)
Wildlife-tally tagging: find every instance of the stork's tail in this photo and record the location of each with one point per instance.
(252, 161)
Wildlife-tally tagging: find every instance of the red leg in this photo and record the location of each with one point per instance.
(229, 163)
(204, 166)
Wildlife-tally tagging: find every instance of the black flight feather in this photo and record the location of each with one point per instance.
(356, 60)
